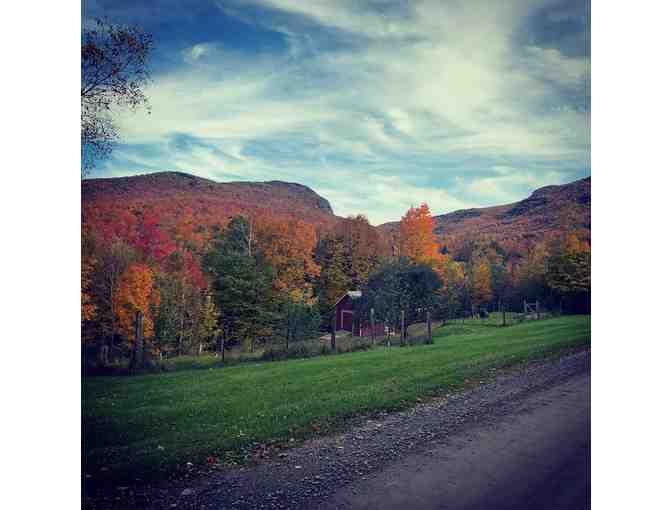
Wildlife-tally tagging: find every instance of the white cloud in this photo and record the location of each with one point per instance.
(193, 54)
(385, 197)
(436, 82)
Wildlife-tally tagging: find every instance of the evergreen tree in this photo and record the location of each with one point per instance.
(242, 288)
(334, 280)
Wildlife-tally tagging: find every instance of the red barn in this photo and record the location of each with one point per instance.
(345, 310)
(345, 316)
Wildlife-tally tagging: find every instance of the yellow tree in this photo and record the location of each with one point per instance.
(136, 293)
(569, 267)
(481, 286)
(417, 240)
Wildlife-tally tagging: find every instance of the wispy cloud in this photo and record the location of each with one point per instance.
(378, 104)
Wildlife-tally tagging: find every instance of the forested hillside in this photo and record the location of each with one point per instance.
(213, 266)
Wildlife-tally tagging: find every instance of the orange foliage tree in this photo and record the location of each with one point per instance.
(289, 247)
(136, 292)
(417, 239)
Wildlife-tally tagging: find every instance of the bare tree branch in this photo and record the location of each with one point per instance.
(113, 73)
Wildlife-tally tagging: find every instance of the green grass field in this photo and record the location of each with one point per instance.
(147, 426)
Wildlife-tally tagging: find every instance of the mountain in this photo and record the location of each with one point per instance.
(113, 205)
(547, 213)
(175, 192)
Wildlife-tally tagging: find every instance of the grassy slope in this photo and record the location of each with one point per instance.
(196, 413)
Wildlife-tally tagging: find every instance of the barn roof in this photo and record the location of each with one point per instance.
(352, 294)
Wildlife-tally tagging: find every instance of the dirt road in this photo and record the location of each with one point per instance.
(536, 457)
(521, 439)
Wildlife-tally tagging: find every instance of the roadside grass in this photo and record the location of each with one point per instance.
(150, 426)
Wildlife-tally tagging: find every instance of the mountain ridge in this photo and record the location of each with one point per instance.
(549, 211)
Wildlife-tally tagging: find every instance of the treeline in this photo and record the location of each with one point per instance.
(262, 281)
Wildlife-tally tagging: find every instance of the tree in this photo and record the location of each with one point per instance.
(136, 293)
(239, 237)
(113, 73)
(569, 273)
(334, 280)
(452, 292)
(417, 237)
(88, 312)
(501, 281)
(168, 312)
(208, 324)
(302, 322)
(481, 283)
(532, 284)
(242, 286)
(288, 247)
(401, 285)
(112, 260)
(362, 245)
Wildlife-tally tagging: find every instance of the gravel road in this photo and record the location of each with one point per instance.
(519, 440)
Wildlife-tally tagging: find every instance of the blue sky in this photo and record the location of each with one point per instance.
(377, 105)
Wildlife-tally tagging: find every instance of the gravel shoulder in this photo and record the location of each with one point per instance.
(519, 439)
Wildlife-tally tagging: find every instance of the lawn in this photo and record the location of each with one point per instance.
(148, 426)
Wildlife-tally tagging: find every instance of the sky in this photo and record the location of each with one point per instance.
(377, 105)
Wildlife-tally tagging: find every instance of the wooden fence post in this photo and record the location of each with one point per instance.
(333, 332)
(429, 327)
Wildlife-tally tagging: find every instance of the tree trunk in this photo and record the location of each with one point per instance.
(402, 334)
(102, 353)
(225, 339)
(137, 358)
(288, 332)
(373, 328)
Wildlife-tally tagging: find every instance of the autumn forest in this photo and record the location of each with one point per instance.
(213, 270)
